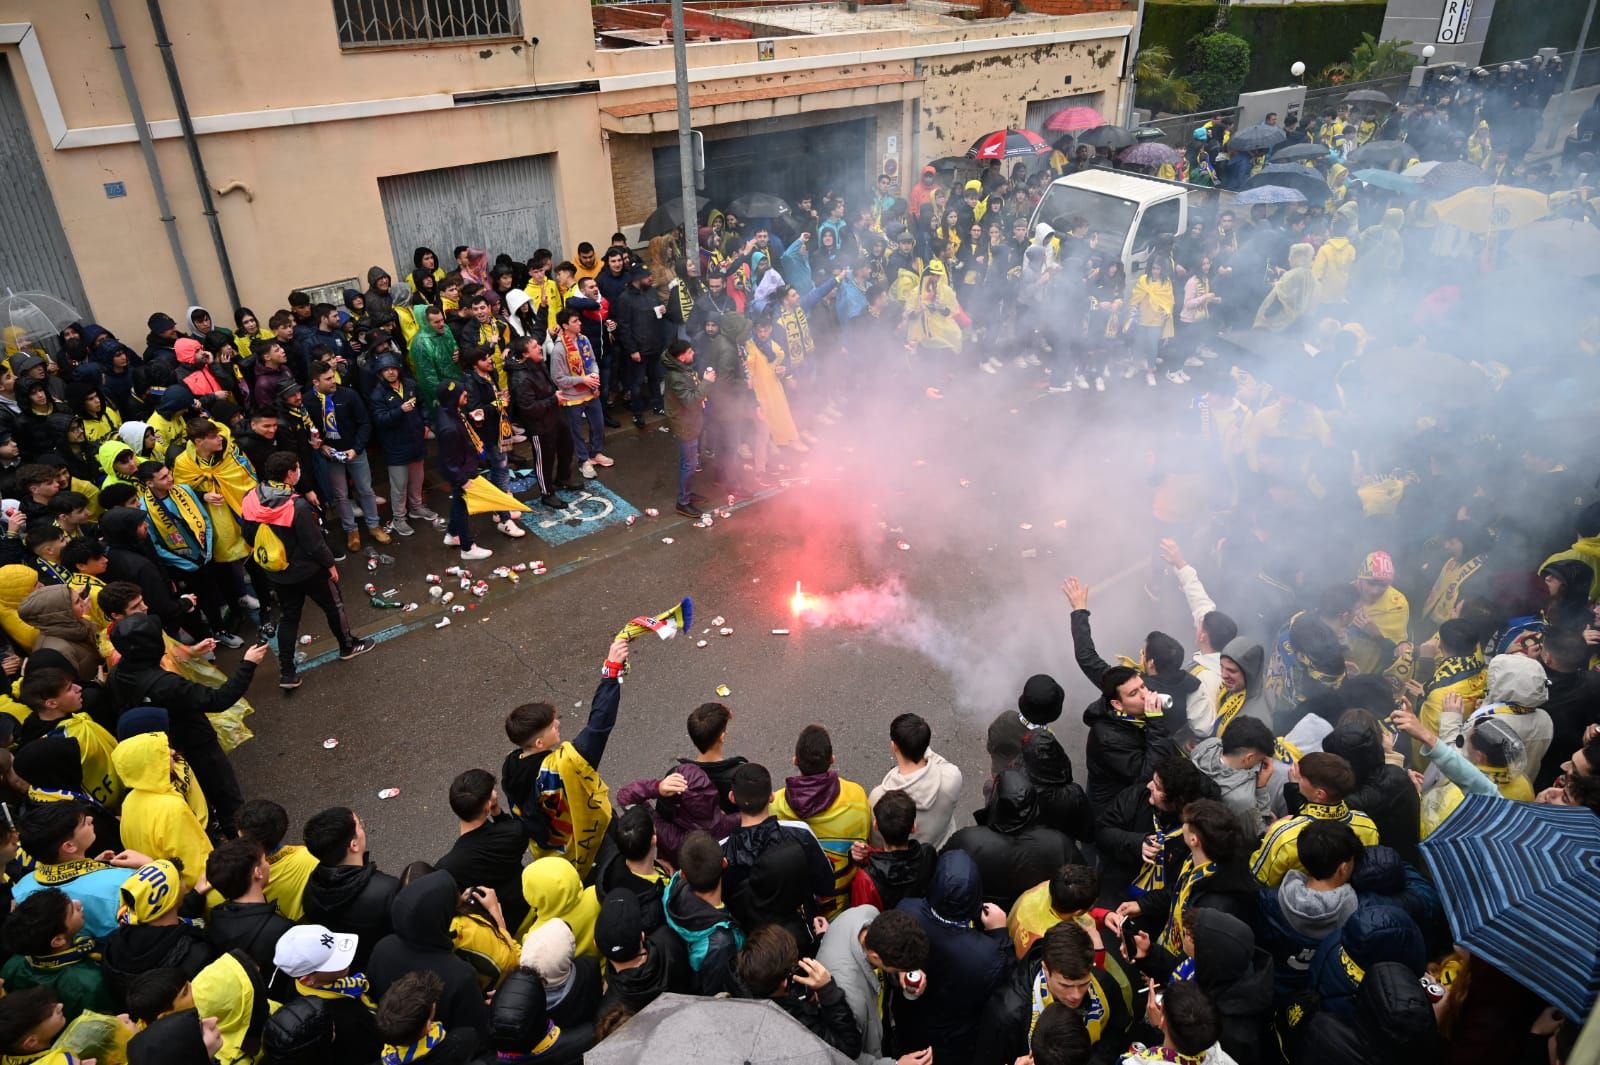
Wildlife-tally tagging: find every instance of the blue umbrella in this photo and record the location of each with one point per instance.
(1270, 194)
(1519, 881)
(1386, 179)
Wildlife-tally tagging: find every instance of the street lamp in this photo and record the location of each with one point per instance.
(1298, 69)
(1428, 51)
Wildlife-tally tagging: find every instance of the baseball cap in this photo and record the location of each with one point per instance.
(619, 929)
(314, 948)
(149, 894)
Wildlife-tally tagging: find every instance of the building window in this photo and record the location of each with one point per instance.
(371, 23)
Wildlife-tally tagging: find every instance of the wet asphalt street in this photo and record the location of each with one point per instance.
(948, 627)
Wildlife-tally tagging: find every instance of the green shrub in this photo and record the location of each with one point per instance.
(1218, 65)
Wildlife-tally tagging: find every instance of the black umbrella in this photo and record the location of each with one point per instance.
(1294, 176)
(1299, 153)
(668, 216)
(952, 163)
(758, 205)
(1447, 179)
(1256, 138)
(1382, 155)
(1114, 137)
(1369, 96)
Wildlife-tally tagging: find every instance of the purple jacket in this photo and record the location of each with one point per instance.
(675, 818)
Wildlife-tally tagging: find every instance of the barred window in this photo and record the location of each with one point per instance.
(367, 23)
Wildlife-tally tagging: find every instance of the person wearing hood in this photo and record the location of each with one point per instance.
(1310, 904)
(181, 1038)
(38, 430)
(1243, 690)
(461, 458)
(1585, 547)
(1293, 295)
(1393, 1024)
(150, 932)
(378, 295)
(536, 403)
(1012, 850)
(421, 912)
(1332, 267)
(638, 966)
(1568, 580)
(932, 782)
(523, 1030)
(1237, 976)
(101, 419)
(835, 809)
(197, 375)
(401, 428)
(140, 680)
(1372, 935)
(298, 563)
(1062, 803)
(553, 891)
(968, 959)
(1517, 689)
(157, 819)
(1325, 780)
(1241, 763)
(433, 355)
(1381, 254)
(572, 984)
(232, 990)
(139, 438)
(59, 613)
(683, 801)
(776, 871)
(346, 891)
(170, 419)
(686, 402)
(246, 920)
(1383, 792)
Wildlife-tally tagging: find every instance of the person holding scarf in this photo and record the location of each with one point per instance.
(213, 465)
(461, 457)
(483, 378)
(184, 537)
(764, 363)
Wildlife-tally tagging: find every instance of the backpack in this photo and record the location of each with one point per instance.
(267, 549)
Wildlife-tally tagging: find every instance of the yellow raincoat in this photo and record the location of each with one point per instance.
(1332, 269)
(553, 890)
(156, 820)
(485, 946)
(102, 428)
(1153, 302)
(229, 475)
(933, 313)
(1392, 615)
(17, 582)
(1293, 295)
(224, 990)
(771, 399)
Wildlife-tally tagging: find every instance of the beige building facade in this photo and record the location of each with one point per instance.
(332, 142)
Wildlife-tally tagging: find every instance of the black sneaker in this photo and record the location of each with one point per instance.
(638, 421)
(229, 640)
(658, 410)
(290, 681)
(553, 502)
(612, 423)
(360, 647)
(696, 498)
(689, 510)
(338, 550)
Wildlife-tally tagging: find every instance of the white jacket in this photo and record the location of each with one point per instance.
(1203, 701)
(935, 788)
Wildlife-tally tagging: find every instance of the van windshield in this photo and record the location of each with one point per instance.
(1110, 216)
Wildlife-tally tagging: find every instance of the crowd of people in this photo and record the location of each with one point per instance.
(1392, 600)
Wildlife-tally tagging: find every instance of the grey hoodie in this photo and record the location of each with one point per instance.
(1251, 805)
(1250, 658)
(1314, 914)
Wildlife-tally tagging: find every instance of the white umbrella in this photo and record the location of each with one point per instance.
(39, 315)
(1416, 170)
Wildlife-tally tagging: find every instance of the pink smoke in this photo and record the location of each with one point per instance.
(862, 606)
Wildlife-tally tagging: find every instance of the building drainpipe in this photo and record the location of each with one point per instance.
(147, 147)
(1133, 66)
(208, 207)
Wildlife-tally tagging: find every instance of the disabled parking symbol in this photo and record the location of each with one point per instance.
(596, 507)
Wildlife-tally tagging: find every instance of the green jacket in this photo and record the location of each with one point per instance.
(79, 985)
(685, 401)
(433, 359)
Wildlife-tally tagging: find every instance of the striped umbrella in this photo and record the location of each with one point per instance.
(1074, 119)
(1008, 144)
(1519, 881)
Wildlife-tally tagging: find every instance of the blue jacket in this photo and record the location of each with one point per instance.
(1373, 934)
(355, 425)
(400, 432)
(972, 963)
(100, 892)
(1381, 878)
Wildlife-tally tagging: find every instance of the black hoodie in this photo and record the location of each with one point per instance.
(1394, 1024)
(175, 1039)
(1062, 803)
(131, 560)
(1013, 851)
(132, 950)
(901, 874)
(253, 927)
(665, 969)
(1237, 975)
(421, 939)
(1383, 792)
(139, 680)
(351, 898)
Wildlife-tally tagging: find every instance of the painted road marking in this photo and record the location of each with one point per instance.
(594, 508)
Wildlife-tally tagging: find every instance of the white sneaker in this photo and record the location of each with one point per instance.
(512, 529)
(1082, 382)
(1099, 384)
(1128, 374)
(989, 366)
(519, 438)
(475, 554)
(1192, 362)
(1150, 378)
(1065, 386)
(587, 469)
(1020, 362)
(1033, 360)
(1208, 353)
(602, 460)
(451, 540)
(249, 602)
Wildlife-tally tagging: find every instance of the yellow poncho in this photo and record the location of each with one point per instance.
(225, 991)
(553, 889)
(933, 312)
(17, 582)
(771, 399)
(229, 475)
(1153, 302)
(1293, 295)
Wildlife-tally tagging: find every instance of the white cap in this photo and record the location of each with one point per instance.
(313, 948)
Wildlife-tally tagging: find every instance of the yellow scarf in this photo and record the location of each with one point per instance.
(229, 475)
(1441, 603)
(1232, 703)
(403, 1055)
(1093, 1011)
(1172, 934)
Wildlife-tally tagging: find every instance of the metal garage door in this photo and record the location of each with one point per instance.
(508, 206)
(811, 160)
(34, 254)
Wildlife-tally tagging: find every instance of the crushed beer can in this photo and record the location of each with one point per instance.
(330, 743)
(441, 623)
(651, 512)
(388, 793)
(724, 691)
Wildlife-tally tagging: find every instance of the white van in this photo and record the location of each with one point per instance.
(1128, 211)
